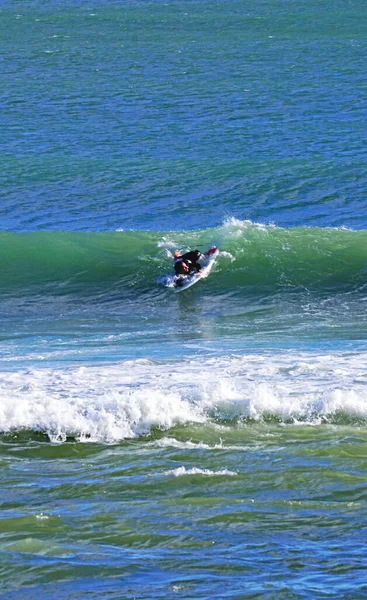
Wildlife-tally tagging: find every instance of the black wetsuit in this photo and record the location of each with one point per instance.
(191, 260)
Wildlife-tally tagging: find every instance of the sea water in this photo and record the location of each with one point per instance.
(208, 444)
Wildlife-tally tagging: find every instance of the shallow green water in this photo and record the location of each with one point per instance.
(251, 510)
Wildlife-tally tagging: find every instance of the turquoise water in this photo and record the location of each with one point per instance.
(208, 444)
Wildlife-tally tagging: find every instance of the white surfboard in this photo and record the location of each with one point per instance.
(207, 263)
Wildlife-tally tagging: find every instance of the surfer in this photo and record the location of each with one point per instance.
(187, 263)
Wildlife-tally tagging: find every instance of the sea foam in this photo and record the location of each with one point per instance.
(180, 471)
(108, 403)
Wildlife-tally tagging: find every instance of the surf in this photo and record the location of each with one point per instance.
(132, 399)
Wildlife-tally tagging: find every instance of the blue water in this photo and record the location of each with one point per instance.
(207, 444)
(173, 115)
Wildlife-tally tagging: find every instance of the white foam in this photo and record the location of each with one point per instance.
(108, 403)
(168, 246)
(170, 442)
(167, 280)
(180, 471)
(225, 254)
(236, 227)
(88, 405)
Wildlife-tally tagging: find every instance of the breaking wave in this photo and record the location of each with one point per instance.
(130, 399)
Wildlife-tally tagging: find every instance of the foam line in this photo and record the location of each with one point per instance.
(129, 399)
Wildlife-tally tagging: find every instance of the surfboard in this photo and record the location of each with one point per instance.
(207, 263)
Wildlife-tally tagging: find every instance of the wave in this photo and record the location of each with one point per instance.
(127, 400)
(253, 257)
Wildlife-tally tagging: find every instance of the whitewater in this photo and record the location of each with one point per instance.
(126, 400)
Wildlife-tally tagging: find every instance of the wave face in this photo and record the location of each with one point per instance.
(254, 258)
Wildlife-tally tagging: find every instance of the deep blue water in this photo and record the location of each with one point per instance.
(175, 115)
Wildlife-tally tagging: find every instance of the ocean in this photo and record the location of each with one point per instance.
(212, 443)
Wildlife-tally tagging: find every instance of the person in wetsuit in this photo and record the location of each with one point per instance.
(186, 264)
